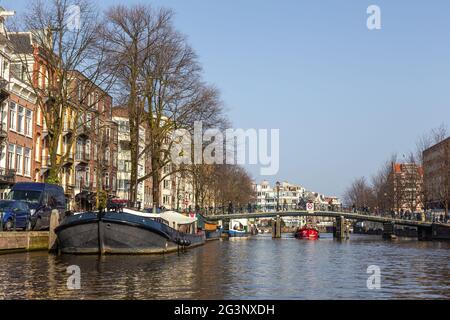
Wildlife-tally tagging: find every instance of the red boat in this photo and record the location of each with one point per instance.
(307, 233)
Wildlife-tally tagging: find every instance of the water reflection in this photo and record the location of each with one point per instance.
(257, 268)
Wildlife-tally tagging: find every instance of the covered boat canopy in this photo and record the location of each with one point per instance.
(204, 224)
(178, 218)
(174, 219)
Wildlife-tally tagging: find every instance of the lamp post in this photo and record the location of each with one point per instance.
(278, 195)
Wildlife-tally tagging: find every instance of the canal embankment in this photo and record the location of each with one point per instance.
(11, 242)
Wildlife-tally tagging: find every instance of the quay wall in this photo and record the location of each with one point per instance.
(23, 241)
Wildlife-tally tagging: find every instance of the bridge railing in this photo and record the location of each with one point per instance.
(432, 217)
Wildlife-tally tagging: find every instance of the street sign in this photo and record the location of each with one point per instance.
(310, 207)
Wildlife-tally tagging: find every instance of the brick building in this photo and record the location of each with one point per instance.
(21, 124)
(87, 145)
(406, 183)
(436, 165)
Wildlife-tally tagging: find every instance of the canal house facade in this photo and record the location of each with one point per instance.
(436, 165)
(20, 119)
(88, 145)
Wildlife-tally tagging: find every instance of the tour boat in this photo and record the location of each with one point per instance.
(307, 233)
(127, 232)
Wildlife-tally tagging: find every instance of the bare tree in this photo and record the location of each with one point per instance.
(382, 186)
(131, 34)
(360, 194)
(159, 80)
(60, 50)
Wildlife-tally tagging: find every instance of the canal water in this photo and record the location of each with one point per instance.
(255, 268)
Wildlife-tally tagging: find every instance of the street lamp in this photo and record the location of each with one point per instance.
(278, 195)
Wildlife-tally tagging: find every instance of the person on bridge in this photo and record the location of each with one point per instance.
(230, 207)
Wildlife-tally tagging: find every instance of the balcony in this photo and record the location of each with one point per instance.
(69, 158)
(81, 158)
(3, 133)
(47, 162)
(4, 94)
(69, 187)
(105, 163)
(7, 176)
(68, 128)
(83, 185)
(83, 130)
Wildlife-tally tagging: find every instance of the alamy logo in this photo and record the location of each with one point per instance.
(374, 19)
(73, 14)
(74, 280)
(233, 146)
(374, 280)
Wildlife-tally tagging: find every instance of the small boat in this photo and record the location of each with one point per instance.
(127, 232)
(212, 230)
(238, 228)
(238, 233)
(214, 235)
(307, 233)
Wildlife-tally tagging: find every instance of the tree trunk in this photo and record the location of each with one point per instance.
(155, 182)
(53, 174)
(134, 153)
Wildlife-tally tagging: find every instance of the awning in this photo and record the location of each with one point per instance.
(178, 218)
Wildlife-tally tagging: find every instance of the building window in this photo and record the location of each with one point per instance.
(11, 153)
(19, 160)
(97, 105)
(27, 162)
(20, 119)
(79, 179)
(28, 123)
(5, 70)
(88, 150)
(80, 92)
(38, 116)
(88, 176)
(12, 116)
(107, 157)
(18, 71)
(89, 120)
(79, 151)
(4, 116)
(37, 155)
(106, 180)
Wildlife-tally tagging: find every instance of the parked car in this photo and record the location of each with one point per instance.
(42, 198)
(15, 214)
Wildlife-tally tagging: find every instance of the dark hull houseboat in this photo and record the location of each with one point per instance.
(127, 232)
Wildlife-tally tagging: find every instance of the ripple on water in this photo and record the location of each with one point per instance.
(256, 268)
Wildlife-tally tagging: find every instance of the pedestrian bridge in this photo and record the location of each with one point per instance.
(425, 230)
(332, 214)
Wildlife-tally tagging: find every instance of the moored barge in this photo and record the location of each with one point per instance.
(127, 232)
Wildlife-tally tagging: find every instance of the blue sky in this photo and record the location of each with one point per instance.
(345, 98)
